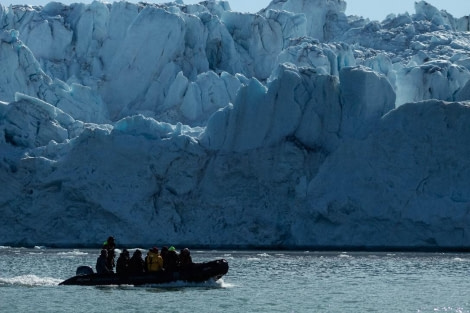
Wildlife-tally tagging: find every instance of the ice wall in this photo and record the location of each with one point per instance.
(295, 127)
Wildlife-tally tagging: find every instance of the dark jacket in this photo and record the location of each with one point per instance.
(110, 245)
(122, 266)
(186, 262)
(171, 261)
(136, 264)
(101, 265)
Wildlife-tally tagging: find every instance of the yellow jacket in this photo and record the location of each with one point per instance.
(153, 262)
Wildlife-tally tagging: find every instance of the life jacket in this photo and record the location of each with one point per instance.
(153, 261)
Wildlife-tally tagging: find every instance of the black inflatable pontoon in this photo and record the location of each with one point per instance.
(199, 272)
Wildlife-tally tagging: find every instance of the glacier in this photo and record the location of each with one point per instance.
(295, 127)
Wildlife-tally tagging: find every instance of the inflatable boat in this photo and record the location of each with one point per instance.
(198, 272)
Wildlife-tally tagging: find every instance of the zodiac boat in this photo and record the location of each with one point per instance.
(198, 272)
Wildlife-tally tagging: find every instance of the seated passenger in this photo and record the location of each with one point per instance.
(153, 260)
(136, 263)
(186, 261)
(102, 264)
(164, 254)
(172, 260)
(122, 266)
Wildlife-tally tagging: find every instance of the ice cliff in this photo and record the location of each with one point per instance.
(298, 126)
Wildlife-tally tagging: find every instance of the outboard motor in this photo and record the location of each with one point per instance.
(84, 270)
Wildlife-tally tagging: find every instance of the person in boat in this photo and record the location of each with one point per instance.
(102, 263)
(110, 261)
(122, 265)
(164, 254)
(110, 245)
(186, 261)
(153, 260)
(171, 259)
(136, 263)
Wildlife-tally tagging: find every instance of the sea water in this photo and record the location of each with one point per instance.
(257, 281)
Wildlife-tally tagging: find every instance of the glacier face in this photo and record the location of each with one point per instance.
(180, 124)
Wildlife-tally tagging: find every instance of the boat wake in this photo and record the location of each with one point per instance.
(29, 281)
(173, 286)
(184, 284)
(224, 284)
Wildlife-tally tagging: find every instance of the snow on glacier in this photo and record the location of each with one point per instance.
(297, 126)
